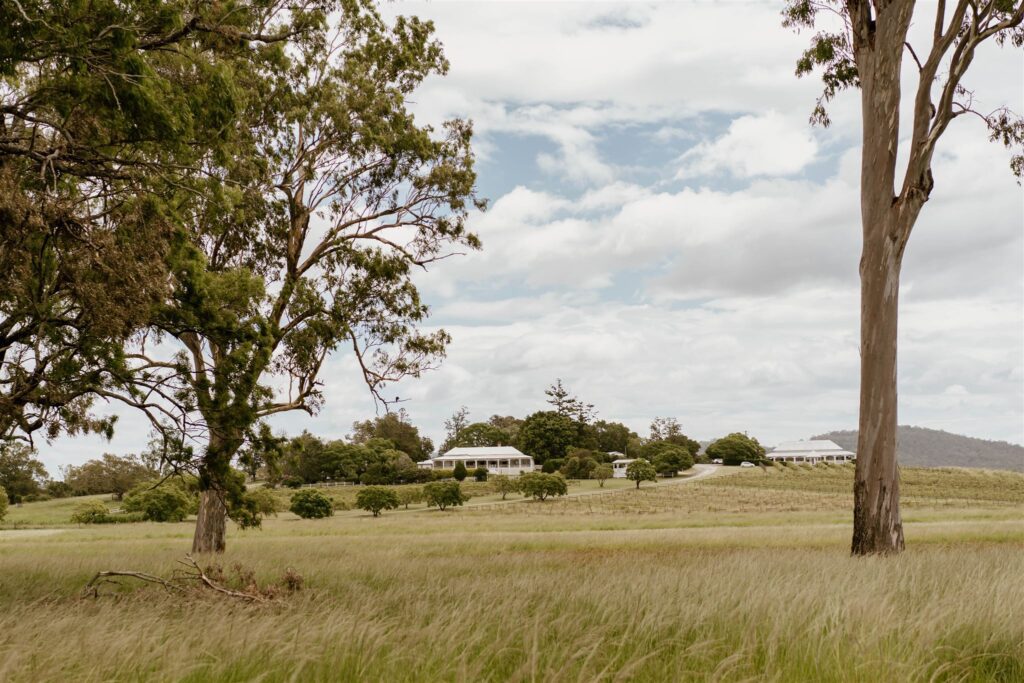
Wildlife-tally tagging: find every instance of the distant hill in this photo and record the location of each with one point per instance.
(923, 447)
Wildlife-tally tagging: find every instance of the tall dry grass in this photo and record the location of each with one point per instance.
(668, 595)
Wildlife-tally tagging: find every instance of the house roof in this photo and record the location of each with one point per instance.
(621, 461)
(472, 453)
(819, 445)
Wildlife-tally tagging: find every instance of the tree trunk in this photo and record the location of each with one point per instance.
(877, 527)
(211, 523)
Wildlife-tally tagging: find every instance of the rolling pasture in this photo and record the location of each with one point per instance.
(740, 576)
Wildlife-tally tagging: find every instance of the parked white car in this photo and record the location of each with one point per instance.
(747, 464)
(716, 461)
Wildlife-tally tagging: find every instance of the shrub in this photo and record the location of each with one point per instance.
(409, 495)
(640, 470)
(292, 482)
(601, 473)
(551, 466)
(480, 474)
(167, 503)
(263, 501)
(504, 485)
(443, 494)
(311, 504)
(540, 485)
(58, 489)
(441, 474)
(578, 467)
(90, 512)
(3, 502)
(460, 472)
(376, 498)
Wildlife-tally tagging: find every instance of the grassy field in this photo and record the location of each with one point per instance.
(743, 577)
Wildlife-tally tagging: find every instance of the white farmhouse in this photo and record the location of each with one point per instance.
(497, 459)
(619, 467)
(811, 452)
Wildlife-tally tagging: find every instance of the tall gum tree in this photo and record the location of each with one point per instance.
(305, 242)
(103, 104)
(865, 44)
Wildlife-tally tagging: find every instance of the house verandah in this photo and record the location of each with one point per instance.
(497, 460)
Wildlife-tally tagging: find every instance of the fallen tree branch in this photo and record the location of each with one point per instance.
(195, 580)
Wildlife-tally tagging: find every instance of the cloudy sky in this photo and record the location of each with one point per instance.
(669, 236)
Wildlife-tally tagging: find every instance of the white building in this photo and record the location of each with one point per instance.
(497, 459)
(811, 452)
(619, 467)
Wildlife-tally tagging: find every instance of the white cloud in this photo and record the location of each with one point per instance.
(763, 145)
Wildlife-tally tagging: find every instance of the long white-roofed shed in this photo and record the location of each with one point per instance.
(497, 459)
(812, 452)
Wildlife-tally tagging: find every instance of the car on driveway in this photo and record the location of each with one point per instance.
(746, 463)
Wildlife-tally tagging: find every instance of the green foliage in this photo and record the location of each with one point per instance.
(21, 474)
(311, 504)
(613, 436)
(165, 503)
(376, 498)
(540, 486)
(668, 429)
(263, 501)
(736, 448)
(480, 474)
(460, 473)
(547, 435)
(110, 474)
(90, 512)
(578, 467)
(58, 489)
(3, 503)
(641, 470)
(444, 494)
(667, 457)
(504, 484)
(479, 434)
(602, 473)
(409, 495)
(394, 427)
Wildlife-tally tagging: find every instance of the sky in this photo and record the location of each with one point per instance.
(670, 236)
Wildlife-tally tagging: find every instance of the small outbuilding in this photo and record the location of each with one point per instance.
(619, 467)
(497, 459)
(811, 452)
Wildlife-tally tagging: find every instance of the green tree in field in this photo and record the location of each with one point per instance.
(90, 512)
(3, 503)
(613, 436)
(736, 448)
(460, 473)
(111, 474)
(307, 241)
(311, 504)
(409, 495)
(504, 485)
(547, 435)
(373, 499)
(640, 470)
(108, 107)
(160, 504)
(21, 474)
(579, 465)
(602, 473)
(444, 494)
(480, 474)
(540, 486)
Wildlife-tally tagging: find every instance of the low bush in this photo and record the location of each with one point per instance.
(374, 499)
(480, 474)
(90, 512)
(311, 504)
(441, 474)
(539, 485)
(165, 503)
(444, 494)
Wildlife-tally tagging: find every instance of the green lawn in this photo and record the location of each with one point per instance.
(719, 579)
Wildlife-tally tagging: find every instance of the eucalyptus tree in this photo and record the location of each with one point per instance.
(102, 104)
(307, 243)
(865, 44)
